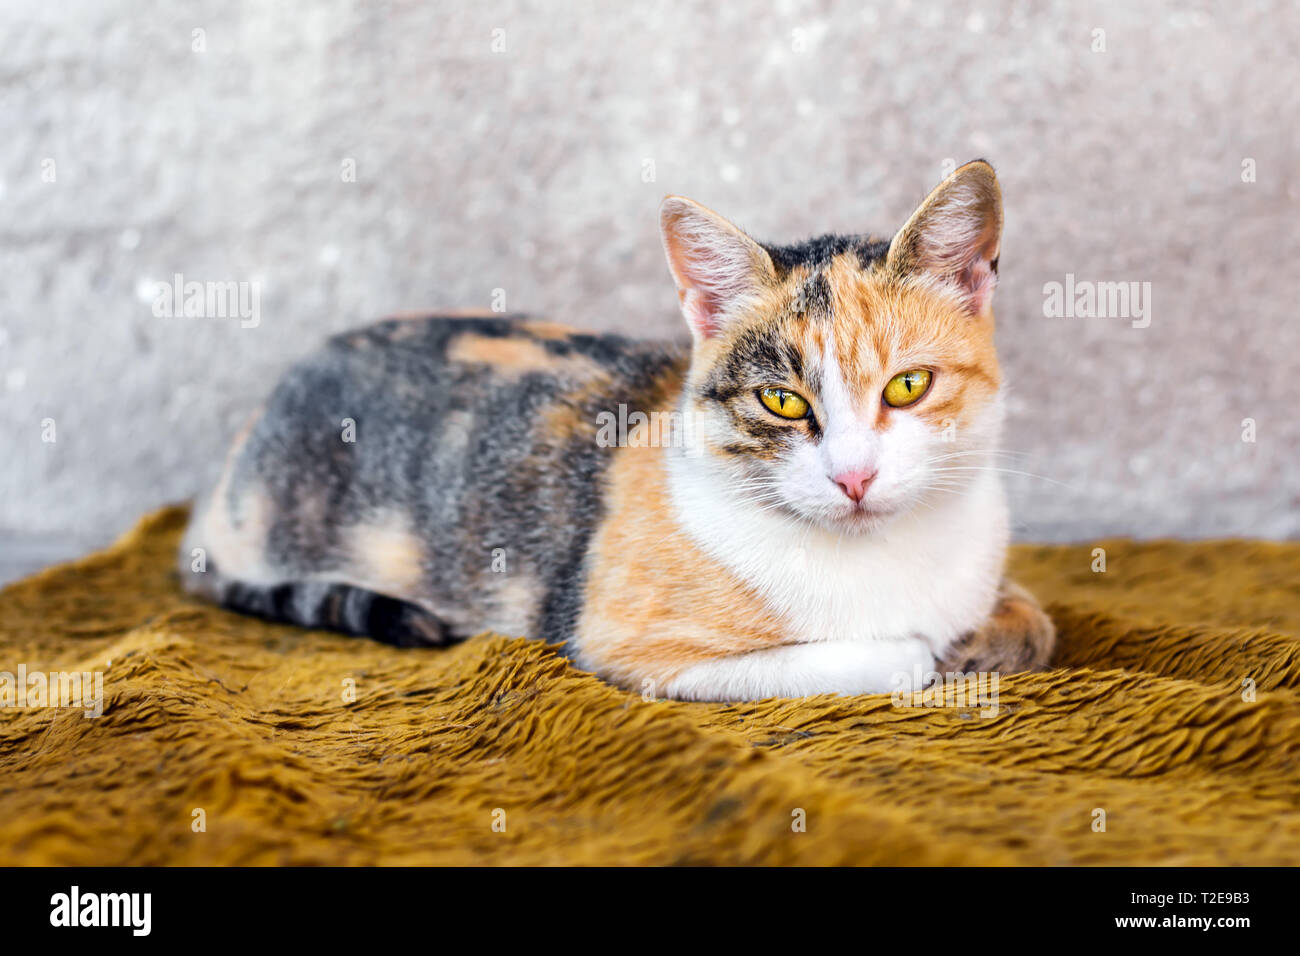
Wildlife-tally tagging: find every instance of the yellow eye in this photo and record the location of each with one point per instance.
(783, 402)
(907, 387)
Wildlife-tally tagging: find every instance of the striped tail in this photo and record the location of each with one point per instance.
(338, 607)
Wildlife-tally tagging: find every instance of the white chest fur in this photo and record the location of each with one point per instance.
(931, 573)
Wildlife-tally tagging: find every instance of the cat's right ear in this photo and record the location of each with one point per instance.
(718, 269)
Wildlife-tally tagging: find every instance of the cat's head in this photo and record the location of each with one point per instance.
(845, 380)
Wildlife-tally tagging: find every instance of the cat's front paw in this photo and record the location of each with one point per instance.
(898, 665)
(1018, 636)
(863, 667)
(800, 670)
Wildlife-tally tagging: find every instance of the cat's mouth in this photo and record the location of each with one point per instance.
(861, 515)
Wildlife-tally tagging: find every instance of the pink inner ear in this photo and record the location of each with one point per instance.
(709, 278)
(701, 308)
(967, 259)
(978, 280)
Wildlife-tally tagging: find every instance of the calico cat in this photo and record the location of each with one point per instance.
(800, 501)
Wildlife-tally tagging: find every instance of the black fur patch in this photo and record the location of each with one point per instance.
(816, 253)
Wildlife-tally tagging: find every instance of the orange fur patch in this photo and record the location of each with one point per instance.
(234, 539)
(655, 603)
(229, 539)
(516, 356)
(548, 330)
(517, 600)
(387, 557)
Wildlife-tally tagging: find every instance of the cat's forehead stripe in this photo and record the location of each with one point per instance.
(863, 326)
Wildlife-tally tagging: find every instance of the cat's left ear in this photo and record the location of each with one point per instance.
(718, 269)
(955, 236)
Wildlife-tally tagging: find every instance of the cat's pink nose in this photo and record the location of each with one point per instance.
(855, 483)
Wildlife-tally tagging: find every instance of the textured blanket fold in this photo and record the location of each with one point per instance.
(1168, 734)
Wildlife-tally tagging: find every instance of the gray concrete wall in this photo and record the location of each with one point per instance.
(133, 148)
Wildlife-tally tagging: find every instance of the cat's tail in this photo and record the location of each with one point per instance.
(324, 604)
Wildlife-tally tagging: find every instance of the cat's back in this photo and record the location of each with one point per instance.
(409, 455)
(411, 383)
(488, 354)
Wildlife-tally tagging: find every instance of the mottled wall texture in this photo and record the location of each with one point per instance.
(349, 158)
